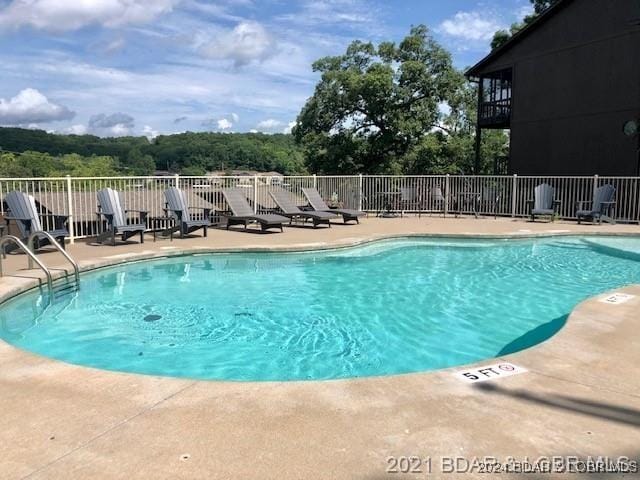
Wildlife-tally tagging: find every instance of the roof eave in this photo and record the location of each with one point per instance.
(474, 71)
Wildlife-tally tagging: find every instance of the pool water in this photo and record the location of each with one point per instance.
(389, 307)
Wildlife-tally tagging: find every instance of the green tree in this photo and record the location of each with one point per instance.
(502, 36)
(373, 105)
(139, 163)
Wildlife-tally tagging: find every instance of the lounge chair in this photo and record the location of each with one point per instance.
(242, 213)
(544, 202)
(602, 205)
(179, 207)
(22, 209)
(319, 205)
(291, 210)
(110, 207)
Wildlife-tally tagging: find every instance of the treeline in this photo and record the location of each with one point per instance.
(38, 153)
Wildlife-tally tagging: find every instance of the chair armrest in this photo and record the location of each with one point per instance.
(206, 211)
(59, 221)
(143, 214)
(178, 213)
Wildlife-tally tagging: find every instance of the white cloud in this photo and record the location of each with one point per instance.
(64, 15)
(268, 125)
(350, 13)
(471, 26)
(31, 106)
(289, 127)
(78, 129)
(224, 124)
(149, 132)
(235, 117)
(248, 42)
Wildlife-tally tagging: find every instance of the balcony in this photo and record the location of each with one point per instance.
(494, 100)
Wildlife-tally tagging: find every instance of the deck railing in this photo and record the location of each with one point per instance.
(456, 194)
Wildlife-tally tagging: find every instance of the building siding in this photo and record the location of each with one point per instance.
(576, 80)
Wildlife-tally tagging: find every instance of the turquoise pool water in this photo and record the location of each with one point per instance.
(385, 308)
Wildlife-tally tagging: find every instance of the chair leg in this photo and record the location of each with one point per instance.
(141, 236)
(205, 230)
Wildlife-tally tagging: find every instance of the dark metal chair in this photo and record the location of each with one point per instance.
(242, 213)
(178, 206)
(291, 210)
(319, 205)
(110, 207)
(22, 209)
(544, 202)
(602, 205)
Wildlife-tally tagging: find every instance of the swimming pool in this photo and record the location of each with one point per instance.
(388, 307)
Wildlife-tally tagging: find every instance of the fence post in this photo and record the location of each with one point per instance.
(255, 194)
(360, 193)
(176, 180)
(595, 184)
(71, 221)
(315, 181)
(446, 194)
(514, 195)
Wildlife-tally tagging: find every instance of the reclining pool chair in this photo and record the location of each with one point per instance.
(544, 202)
(179, 207)
(291, 210)
(242, 213)
(110, 207)
(601, 206)
(319, 205)
(22, 209)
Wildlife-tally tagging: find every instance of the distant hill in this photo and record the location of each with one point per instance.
(187, 153)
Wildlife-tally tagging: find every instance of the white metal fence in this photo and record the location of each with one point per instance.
(443, 194)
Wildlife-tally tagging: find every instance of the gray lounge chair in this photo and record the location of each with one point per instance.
(319, 205)
(602, 205)
(22, 209)
(242, 213)
(110, 207)
(544, 202)
(291, 210)
(179, 207)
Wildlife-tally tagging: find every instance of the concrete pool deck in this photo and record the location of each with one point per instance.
(580, 396)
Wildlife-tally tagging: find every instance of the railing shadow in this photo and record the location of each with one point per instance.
(606, 411)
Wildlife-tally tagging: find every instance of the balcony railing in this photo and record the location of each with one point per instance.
(499, 195)
(495, 114)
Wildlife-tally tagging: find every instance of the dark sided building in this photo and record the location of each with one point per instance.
(564, 86)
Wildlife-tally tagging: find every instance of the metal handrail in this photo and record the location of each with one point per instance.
(54, 243)
(32, 258)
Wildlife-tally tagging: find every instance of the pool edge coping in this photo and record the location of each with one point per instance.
(86, 266)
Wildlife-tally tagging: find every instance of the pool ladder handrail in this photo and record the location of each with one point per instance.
(32, 258)
(56, 245)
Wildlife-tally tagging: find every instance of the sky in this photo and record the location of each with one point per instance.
(149, 67)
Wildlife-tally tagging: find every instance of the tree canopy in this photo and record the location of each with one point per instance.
(502, 36)
(186, 153)
(394, 108)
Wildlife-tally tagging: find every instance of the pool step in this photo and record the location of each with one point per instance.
(63, 289)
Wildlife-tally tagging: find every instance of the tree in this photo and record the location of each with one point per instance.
(502, 36)
(372, 105)
(140, 164)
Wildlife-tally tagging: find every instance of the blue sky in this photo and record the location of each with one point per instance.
(148, 67)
